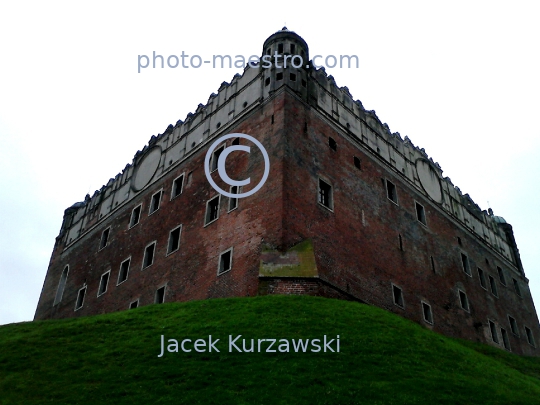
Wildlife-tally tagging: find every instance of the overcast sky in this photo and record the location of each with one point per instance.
(460, 78)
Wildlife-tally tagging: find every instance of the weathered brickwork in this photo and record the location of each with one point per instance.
(349, 210)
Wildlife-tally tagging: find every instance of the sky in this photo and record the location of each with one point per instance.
(459, 78)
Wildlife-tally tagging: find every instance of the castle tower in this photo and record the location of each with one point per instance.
(349, 210)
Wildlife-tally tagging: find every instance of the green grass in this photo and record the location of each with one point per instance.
(383, 359)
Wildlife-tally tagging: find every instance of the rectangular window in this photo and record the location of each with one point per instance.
(432, 264)
(398, 296)
(464, 301)
(160, 295)
(493, 330)
(103, 283)
(502, 279)
(212, 210)
(506, 341)
(149, 251)
(357, 163)
(516, 287)
(530, 337)
(428, 315)
(174, 240)
(420, 213)
(391, 191)
(325, 194)
(134, 304)
(61, 285)
(177, 186)
(104, 238)
(482, 278)
(215, 158)
(233, 202)
(225, 261)
(465, 264)
(124, 269)
(80, 298)
(513, 326)
(493, 286)
(154, 202)
(135, 216)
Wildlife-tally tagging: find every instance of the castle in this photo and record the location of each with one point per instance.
(348, 210)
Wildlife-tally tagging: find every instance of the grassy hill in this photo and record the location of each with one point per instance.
(383, 358)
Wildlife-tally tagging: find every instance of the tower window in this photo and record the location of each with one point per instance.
(432, 263)
(236, 141)
(61, 285)
(292, 76)
(465, 264)
(493, 286)
(135, 216)
(293, 48)
(391, 191)
(501, 276)
(124, 270)
(103, 283)
(174, 240)
(134, 304)
(482, 278)
(420, 213)
(280, 48)
(332, 143)
(530, 337)
(160, 295)
(225, 261)
(516, 287)
(80, 298)
(513, 326)
(357, 163)
(325, 194)
(279, 76)
(177, 186)
(463, 300)
(104, 238)
(493, 330)
(154, 202)
(149, 251)
(398, 296)
(212, 210)
(215, 158)
(505, 340)
(267, 81)
(428, 315)
(233, 202)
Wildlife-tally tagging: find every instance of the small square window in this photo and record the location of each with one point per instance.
(357, 163)
(493, 330)
(391, 191)
(174, 240)
(325, 194)
(236, 141)
(332, 143)
(104, 238)
(493, 286)
(530, 337)
(482, 278)
(160, 295)
(516, 287)
(398, 296)
(215, 158)
(124, 270)
(279, 76)
(465, 264)
(212, 210)
(420, 213)
(502, 278)
(80, 298)
(149, 252)
(135, 216)
(154, 202)
(233, 202)
(177, 186)
(506, 341)
(225, 261)
(103, 283)
(292, 76)
(464, 301)
(513, 325)
(134, 304)
(428, 315)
